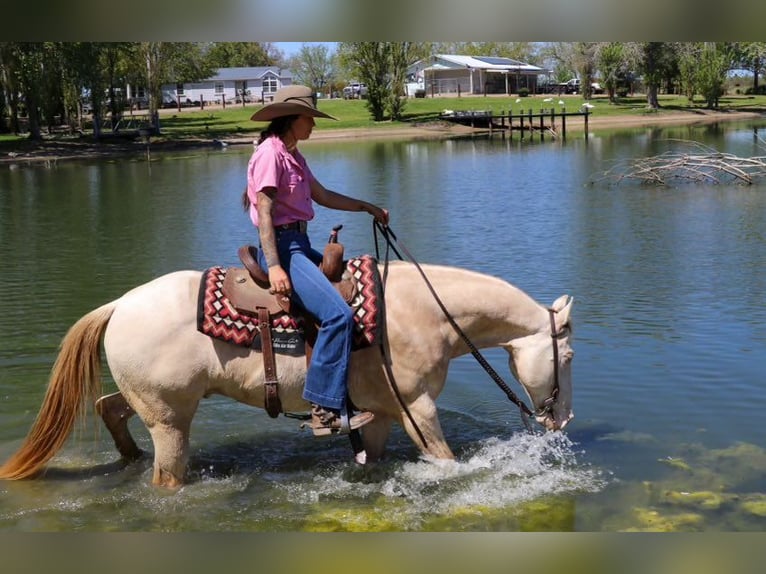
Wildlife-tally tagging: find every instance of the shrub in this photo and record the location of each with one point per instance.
(523, 92)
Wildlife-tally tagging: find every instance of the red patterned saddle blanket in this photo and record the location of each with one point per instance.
(218, 318)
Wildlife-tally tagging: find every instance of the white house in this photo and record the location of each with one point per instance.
(229, 84)
(447, 74)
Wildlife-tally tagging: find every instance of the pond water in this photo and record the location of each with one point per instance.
(670, 332)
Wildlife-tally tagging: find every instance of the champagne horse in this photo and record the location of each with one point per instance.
(163, 366)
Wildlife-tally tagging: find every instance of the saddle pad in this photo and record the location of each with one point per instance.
(217, 318)
(368, 303)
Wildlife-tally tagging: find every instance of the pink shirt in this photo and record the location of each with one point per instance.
(271, 165)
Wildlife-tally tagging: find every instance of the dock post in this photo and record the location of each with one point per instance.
(563, 123)
(587, 113)
(553, 121)
(510, 124)
(542, 126)
(502, 123)
(521, 124)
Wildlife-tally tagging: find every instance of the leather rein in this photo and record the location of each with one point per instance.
(524, 410)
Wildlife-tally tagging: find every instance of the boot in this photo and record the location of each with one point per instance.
(325, 421)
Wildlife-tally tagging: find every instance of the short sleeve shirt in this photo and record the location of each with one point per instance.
(271, 165)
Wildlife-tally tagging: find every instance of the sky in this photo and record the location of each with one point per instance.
(292, 48)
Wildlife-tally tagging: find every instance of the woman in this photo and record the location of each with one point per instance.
(280, 193)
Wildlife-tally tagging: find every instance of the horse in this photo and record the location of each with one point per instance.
(163, 366)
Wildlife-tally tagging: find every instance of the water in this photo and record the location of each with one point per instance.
(669, 337)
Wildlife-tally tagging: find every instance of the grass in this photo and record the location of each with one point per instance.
(217, 123)
(354, 113)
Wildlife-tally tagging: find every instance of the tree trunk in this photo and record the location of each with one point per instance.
(651, 97)
(33, 115)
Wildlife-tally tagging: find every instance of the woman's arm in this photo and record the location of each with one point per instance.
(280, 282)
(334, 200)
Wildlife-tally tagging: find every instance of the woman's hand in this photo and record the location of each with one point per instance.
(380, 214)
(279, 280)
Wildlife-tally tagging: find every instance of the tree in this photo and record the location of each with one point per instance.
(29, 70)
(714, 64)
(611, 63)
(166, 62)
(10, 83)
(382, 66)
(85, 70)
(400, 59)
(584, 63)
(313, 66)
(688, 64)
(656, 58)
(370, 61)
(238, 54)
(752, 56)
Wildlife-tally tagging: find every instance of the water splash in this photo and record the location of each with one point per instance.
(497, 474)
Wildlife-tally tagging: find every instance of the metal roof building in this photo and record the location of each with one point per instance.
(445, 73)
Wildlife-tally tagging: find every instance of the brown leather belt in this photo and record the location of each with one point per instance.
(299, 226)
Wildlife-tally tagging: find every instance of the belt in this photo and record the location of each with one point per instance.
(299, 226)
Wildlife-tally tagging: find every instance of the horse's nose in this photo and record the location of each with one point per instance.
(564, 422)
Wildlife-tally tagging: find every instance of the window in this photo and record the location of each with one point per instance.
(219, 87)
(180, 89)
(270, 85)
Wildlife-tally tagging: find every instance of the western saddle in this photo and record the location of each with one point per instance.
(248, 292)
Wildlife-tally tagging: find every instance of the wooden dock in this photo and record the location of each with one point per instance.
(526, 123)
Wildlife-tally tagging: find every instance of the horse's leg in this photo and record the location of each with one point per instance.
(168, 419)
(424, 413)
(171, 452)
(374, 437)
(115, 412)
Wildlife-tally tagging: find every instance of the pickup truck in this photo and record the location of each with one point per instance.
(354, 91)
(573, 87)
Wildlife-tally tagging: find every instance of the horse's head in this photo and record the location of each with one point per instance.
(542, 363)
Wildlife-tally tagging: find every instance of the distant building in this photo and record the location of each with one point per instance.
(449, 74)
(256, 84)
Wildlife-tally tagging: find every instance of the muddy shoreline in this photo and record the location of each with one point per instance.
(56, 150)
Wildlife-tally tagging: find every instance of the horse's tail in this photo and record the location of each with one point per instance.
(75, 381)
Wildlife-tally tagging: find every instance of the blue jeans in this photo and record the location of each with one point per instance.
(327, 375)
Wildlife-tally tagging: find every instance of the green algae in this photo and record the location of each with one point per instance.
(676, 463)
(754, 504)
(374, 519)
(652, 520)
(702, 499)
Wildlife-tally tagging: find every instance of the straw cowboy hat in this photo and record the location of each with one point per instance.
(289, 101)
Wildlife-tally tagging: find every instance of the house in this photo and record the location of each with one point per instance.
(258, 84)
(443, 74)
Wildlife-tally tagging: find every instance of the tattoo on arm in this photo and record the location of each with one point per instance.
(265, 206)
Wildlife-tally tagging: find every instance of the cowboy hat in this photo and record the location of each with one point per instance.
(289, 101)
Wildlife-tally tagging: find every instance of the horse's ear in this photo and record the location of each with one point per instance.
(563, 307)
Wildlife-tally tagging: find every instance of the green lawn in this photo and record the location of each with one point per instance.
(354, 113)
(235, 119)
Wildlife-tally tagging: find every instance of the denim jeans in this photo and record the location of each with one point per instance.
(327, 375)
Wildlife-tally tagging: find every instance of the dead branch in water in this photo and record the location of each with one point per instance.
(705, 166)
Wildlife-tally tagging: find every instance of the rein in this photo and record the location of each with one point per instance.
(524, 410)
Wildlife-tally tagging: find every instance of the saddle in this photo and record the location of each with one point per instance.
(248, 292)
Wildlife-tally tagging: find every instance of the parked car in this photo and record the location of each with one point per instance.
(569, 87)
(596, 88)
(355, 91)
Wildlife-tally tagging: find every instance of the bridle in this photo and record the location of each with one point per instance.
(547, 405)
(524, 410)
